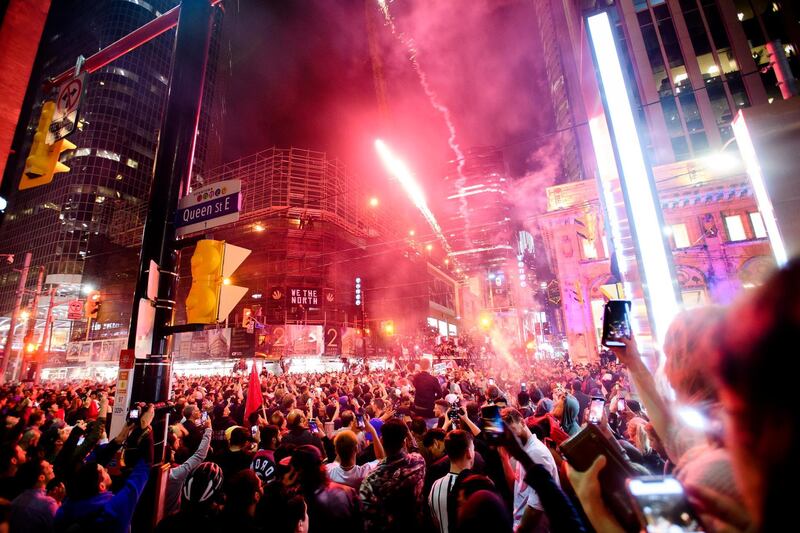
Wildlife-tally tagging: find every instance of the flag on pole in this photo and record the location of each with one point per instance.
(254, 398)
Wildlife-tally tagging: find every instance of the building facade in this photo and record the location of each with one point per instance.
(69, 221)
(487, 243)
(692, 65)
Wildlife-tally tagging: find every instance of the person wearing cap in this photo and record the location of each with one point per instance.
(201, 502)
(181, 469)
(240, 452)
(331, 506)
(264, 460)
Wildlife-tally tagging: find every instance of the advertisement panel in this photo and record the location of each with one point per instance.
(82, 352)
(305, 297)
(271, 342)
(349, 341)
(198, 345)
(333, 341)
(304, 340)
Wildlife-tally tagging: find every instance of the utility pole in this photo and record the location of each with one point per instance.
(48, 327)
(23, 280)
(30, 327)
(172, 175)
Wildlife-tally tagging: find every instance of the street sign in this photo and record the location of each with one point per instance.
(209, 207)
(66, 114)
(75, 310)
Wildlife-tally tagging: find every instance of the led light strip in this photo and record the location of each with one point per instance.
(748, 151)
(657, 282)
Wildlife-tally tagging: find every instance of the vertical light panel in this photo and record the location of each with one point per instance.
(640, 195)
(607, 168)
(748, 151)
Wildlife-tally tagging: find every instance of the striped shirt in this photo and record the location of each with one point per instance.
(437, 499)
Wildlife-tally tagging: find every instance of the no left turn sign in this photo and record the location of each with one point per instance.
(69, 96)
(66, 113)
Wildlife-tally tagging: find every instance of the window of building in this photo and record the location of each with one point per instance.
(589, 250)
(106, 154)
(680, 235)
(721, 109)
(735, 228)
(757, 222)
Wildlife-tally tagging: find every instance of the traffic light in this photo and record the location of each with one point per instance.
(212, 296)
(42, 163)
(93, 302)
(485, 320)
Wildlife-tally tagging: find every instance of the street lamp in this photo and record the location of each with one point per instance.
(373, 202)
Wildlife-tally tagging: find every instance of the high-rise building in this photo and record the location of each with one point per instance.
(481, 232)
(65, 222)
(478, 223)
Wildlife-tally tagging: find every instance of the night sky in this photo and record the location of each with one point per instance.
(299, 74)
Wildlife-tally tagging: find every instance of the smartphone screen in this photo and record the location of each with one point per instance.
(616, 322)
(620, 405)
(492, 422)
(662, 506)
(596, 407)
(254, 430)
(491, 381)
(360, 421)
(133, 414)
(313, 425)
(81, 439)
(523, 387)
(204, 417)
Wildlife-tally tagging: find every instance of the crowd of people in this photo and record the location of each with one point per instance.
(411, 449)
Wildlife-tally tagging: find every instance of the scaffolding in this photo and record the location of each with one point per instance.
(291, 183)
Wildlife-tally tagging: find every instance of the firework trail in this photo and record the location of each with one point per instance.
(437, 104)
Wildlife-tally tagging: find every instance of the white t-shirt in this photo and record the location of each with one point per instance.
(525, 496)
(351, 477)
(437, 499)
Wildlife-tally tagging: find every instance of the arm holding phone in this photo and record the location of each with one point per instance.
(587, 489)
(658, 410)
(377, 445)
(560, 512)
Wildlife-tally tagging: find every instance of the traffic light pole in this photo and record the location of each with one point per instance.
(30, 327)
(172, 174)
(23, 280)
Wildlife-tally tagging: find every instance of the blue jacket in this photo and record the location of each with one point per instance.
(105, 512)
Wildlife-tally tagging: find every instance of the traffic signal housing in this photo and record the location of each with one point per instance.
(212, 297)
(42, 162)
(93, 301)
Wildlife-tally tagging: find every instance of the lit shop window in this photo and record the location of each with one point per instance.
(759, 230)
(735, 228)
(681, 236)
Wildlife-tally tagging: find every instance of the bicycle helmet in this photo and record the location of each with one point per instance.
(203, 483)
